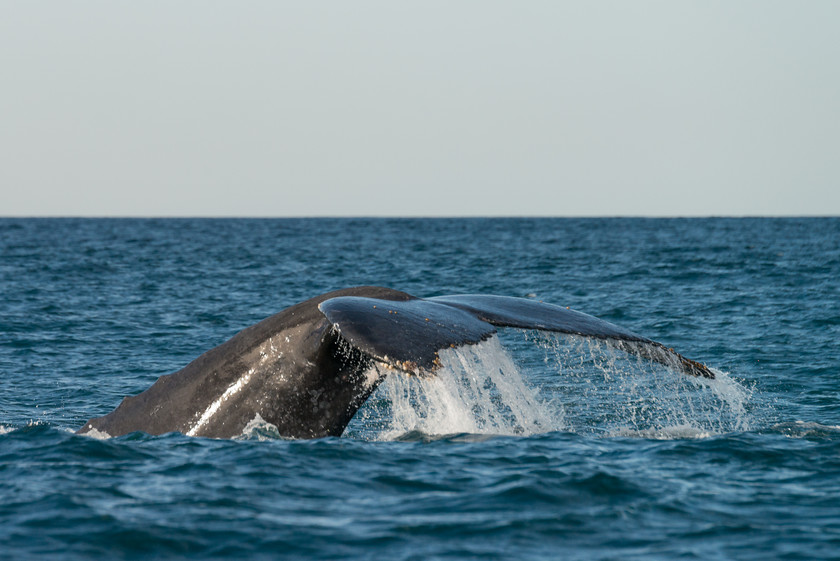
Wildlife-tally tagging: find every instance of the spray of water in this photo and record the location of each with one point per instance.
(574, 384)
(604, 390)
(478, 390)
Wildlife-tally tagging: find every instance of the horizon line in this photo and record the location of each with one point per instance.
(397, 217)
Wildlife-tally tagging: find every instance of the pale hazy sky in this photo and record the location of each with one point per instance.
(424, 108)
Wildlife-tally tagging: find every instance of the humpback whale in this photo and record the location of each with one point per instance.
(308, 368)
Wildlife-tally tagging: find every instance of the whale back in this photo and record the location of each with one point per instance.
(291, 369)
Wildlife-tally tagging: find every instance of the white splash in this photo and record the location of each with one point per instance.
(664, 433)
(576, 384)
(478, 390)
(259, 429)
(214, 407)
(606, 391)
(97, 434)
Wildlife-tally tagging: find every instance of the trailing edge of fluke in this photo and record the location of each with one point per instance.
(308, 368)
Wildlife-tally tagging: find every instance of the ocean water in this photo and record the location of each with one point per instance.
(529, 446)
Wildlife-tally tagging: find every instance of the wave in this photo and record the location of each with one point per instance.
(806, 429)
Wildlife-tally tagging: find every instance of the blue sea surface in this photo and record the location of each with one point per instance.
(632, 461)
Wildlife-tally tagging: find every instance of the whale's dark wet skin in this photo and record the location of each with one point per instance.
(309, 368)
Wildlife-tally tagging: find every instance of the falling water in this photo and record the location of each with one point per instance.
(578, 385)
(604, 390)
(478, 390)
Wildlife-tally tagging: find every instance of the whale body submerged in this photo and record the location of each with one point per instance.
(309, 368)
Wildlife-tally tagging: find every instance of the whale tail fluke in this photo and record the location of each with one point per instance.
(407, 334)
